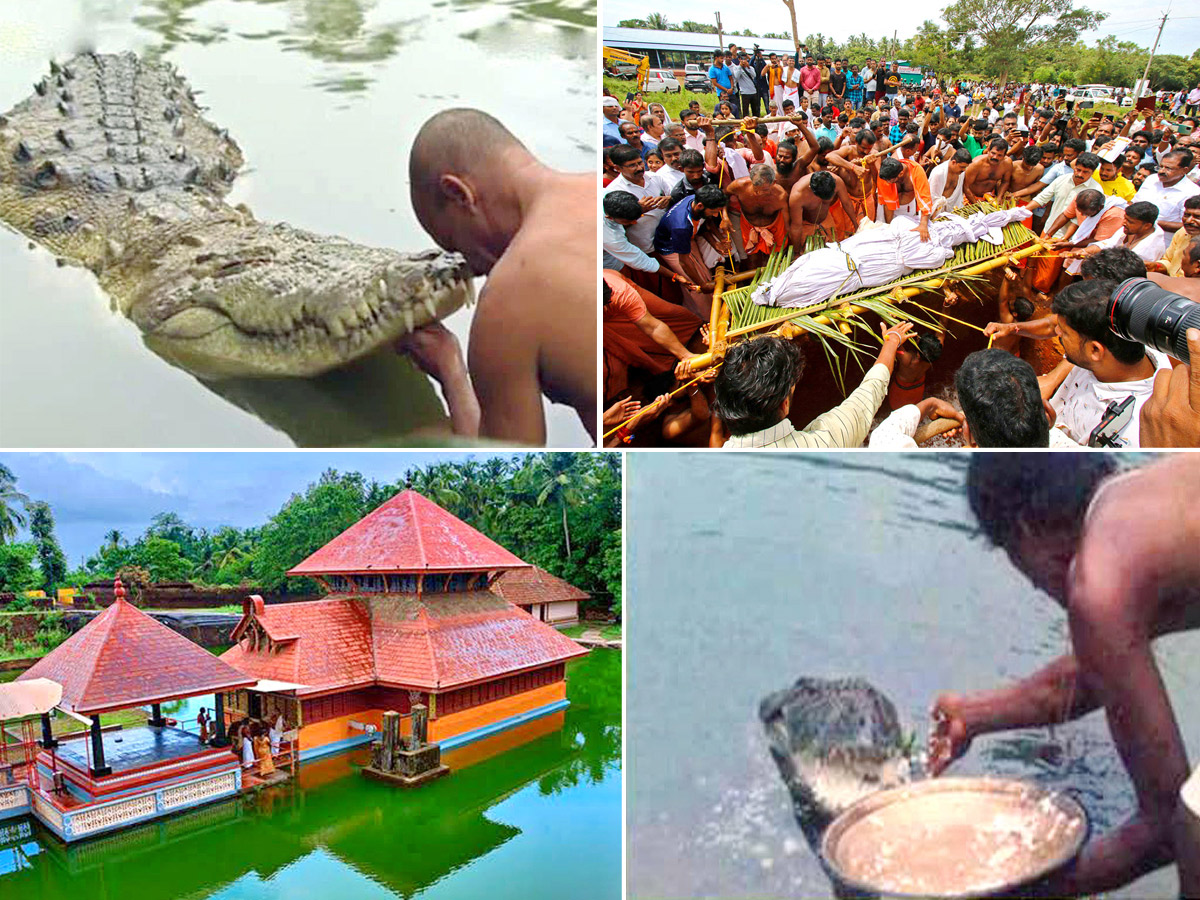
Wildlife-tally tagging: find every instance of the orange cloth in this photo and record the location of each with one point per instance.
(901, 394)
(764, 238)
(1045, 271)
(839, 223)
(627, 346)
(889, 194)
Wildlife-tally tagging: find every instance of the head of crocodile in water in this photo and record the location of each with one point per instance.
(110, 165)
(834, 742)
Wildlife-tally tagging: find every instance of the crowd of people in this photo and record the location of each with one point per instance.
(853, 147)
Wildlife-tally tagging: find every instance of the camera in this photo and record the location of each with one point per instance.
(1140, 310)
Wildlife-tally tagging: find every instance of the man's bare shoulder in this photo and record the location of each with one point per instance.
(1151, 510)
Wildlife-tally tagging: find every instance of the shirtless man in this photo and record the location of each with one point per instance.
(859, 179)
(1011, 309)
(763, 206)
(989, 173)
(809, 204)
(1026, 170)
(477, 190)
(1117, 552)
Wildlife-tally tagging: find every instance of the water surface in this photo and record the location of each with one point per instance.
(541, 820)
(747, 571)
(324, 97)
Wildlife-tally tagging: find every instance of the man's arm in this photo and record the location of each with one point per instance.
(846, 201)
(661, 333)
(503, 360)
(810, 139)
(1052, 380)
(1006, 171)
(970, 176)
(1114, 599)
(748, 125)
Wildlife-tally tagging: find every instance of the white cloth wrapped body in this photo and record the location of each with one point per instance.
(875, 256)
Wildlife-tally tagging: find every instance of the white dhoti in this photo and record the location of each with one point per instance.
(247, 753)
(875, 256)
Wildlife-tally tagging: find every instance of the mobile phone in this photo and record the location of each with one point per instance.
(1070, 105)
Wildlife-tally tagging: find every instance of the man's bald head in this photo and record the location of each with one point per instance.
(457, 172)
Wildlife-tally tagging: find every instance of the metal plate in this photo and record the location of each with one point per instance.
(954, 837)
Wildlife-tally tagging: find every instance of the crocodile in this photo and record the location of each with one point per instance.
(834, 741)
(110, 165)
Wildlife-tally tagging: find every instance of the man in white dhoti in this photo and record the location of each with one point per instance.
(877, 255)
(946, 179)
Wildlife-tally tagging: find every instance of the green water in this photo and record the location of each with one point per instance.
(540, 820)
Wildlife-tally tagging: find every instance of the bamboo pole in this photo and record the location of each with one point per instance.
(763, 120)
(995, 262)
(715, 313)
(933, 428)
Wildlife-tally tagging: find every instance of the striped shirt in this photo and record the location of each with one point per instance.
(845, 425)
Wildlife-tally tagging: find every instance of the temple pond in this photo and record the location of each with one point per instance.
(539, 818)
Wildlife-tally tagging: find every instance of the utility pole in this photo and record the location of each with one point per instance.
(1146, 74)
(720, 34)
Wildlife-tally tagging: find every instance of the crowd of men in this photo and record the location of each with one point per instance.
(1115, 196)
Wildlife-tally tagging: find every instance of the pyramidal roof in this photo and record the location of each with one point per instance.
(124, 657)
(408, 534)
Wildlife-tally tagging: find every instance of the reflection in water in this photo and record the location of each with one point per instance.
(748, 571)
(552, 802)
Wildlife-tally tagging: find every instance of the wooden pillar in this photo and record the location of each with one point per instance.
(391, 740)
(222, 737)
(156, 716)
(420, 727)
(98, 766)
(48, 739)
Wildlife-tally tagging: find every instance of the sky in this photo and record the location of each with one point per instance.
(91, 493)
(1130, 20)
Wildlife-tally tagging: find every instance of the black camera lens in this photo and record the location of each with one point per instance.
(1140, 310)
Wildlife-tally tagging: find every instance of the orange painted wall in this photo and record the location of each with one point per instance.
(487, 713)
(339, 729)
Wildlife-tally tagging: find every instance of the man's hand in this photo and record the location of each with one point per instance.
(706, 125)
(1001, 329)
(1171, 417)
(620, 411)
(435, 351)
(949, 739)
(683, 368)
(923, 231)
(937, 408)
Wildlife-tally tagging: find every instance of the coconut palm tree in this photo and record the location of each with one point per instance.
(555, 478)
(657, 22)
(11, 518)
(113, 539)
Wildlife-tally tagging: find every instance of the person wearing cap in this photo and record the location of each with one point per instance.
(611, 109)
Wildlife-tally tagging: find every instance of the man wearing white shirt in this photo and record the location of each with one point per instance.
(1168, 189)
(1060, 192)
(1100, 368)
(647, 188)
(1139, 233)
(671, 172)
(946, 179)
(694, 139)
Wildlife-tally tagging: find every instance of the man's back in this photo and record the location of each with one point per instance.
(534, 331)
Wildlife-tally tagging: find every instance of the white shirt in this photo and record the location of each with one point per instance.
(641, 232)
(1080, 401)
(668, 177)
(1169, 200)
(1059, 195)
(937, 185)
(897, 430)
(1153, 246)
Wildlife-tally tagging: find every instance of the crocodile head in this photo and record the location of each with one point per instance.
(271, 301)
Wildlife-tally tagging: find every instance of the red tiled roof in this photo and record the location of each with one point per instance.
(535, 585)
(408, 534)
(124, 658)
(436, 642)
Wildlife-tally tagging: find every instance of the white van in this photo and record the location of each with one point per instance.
(662, 80)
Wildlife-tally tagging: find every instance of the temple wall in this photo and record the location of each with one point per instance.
(444, 727)
(561, 611)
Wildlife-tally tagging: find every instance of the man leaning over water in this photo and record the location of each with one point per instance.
(1116, 549)
(531, 229)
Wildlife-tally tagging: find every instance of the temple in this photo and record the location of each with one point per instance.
(413, 615)
(546, 597)
(95, 780)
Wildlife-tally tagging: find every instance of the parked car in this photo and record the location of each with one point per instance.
(628, 71)
(662, 80)
(1128, 100)
(695, 78)
(1086, 98)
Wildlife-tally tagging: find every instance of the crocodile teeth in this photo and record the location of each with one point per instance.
(410, 321)
(430, 306)
(115, 250)
(337, 329)
(365, 314)
(87, 228)
(383, 289)
(64, 139)
(177, 129)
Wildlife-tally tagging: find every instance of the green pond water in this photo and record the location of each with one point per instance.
(324, 97)
(540, 820)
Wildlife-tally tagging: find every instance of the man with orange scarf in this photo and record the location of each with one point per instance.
(903, 187)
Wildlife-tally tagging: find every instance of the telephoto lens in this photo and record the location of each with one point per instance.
(1140, 310)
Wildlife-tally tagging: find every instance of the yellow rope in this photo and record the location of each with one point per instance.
(946, 315)
(642, 412)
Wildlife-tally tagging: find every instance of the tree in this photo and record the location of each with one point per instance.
(1014, 31)
(658, 22)
(17, 573)
(697, 27)
(163, 559)
(552, 478)
(50, 556)
(11, 519)
(632, 23)
(791, 6)
(114, 538)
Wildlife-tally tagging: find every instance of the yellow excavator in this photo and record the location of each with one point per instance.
(620, 59)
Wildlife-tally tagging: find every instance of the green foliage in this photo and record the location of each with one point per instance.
(11, 518)
(17, 573)
(163, 559)
(51, 560)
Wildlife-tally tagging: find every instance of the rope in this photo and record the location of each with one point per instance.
(642, 412)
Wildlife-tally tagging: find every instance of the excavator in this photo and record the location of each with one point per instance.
(619, 59)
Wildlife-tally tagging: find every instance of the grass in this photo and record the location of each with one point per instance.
(126, 718)
(674, 104)
(227, 608)
(608, 632)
